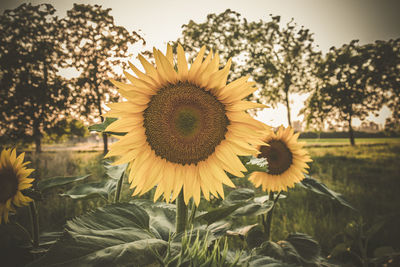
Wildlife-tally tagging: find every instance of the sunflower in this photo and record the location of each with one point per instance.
(13, 179)
(185, 126)
(286, 161)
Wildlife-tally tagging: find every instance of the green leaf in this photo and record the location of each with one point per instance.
(115, 235)
(241, 231)
(162, 217)
(257, 165)
(271, 249)
(33, 193)
(115, 171)
(219, 228)
(306, 247)
(239, 195)
(47, 239)
(99, 189)
(49, 183)
(101, 127)
(255, 237)
(254, 209)
(218, 213)
(320, 188)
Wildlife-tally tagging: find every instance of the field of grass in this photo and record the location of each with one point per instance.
(346, 141)
(368, 177)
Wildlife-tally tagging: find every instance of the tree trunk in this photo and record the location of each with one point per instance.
(105, 143)
(38, 139)
(105, 138)
(288, 108)
(351, 133)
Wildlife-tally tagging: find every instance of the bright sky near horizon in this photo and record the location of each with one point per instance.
(333, 23)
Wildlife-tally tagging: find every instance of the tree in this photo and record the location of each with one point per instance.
(282, 62)
(279, 59)
(345, 88)
(95, 45)
(385, 69)
(225, 33)
(33, 96)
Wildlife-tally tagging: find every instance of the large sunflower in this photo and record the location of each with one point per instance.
(185, 127)
(286, 161)
(13, 179)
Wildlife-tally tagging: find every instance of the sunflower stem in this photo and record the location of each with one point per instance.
(35, 223)
(119, 188)
(25, 231)
(181, 214)
(192, 213)
(268, 222)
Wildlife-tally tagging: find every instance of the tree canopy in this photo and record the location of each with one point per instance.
(279, 58)
(33, 96)
(353, 81)
(96, 45)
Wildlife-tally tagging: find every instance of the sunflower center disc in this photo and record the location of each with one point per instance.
(278, 155)
(8, 184)
(184, 123)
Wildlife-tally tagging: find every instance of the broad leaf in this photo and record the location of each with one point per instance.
(99, 189)
(239, 195)
(162, 217)
(218, 213)
(254, 209)
(101, 127)
(116, 235)
(307, 248)
(46, 184)
(115, 171)
(241, 231)
(271, 249)
(320, 188)
(255, 237)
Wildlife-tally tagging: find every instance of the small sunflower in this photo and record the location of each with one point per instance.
(286, 161)
(13, 179)
(185, 126)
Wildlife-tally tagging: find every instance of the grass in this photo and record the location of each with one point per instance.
(346, 141)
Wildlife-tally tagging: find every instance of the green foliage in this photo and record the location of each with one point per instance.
(101, 127)
(200, 252)
(58, 181)
(240, 202)
(311, 184)
(118, 234)
(32, 94)
(102, 189)
(356, 241)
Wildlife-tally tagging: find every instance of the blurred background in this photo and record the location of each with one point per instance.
(330, 69)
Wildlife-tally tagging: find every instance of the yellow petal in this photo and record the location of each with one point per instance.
(182, 64)
(196, 64)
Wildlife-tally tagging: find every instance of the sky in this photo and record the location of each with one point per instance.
(333, 23)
